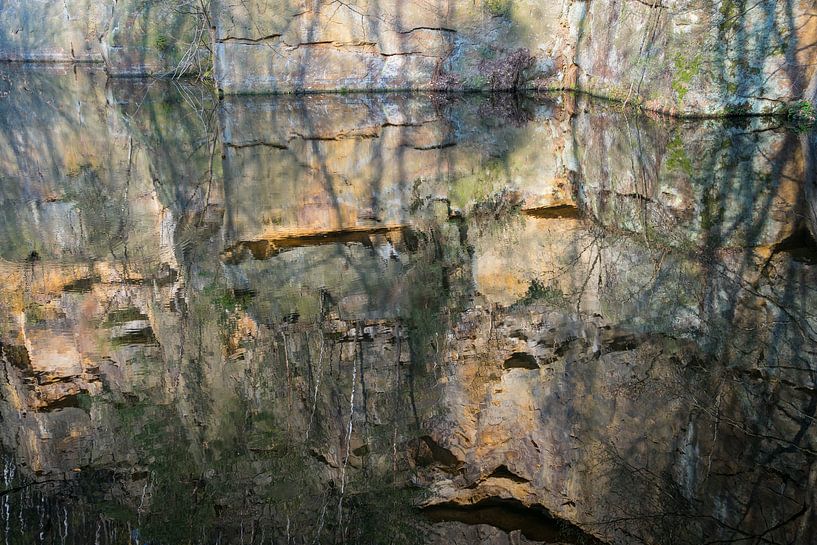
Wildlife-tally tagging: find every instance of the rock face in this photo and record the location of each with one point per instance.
(697, 56)
(138, 37)
(701, 57)
(38, 30)
(682, 56)
(445, 320)
(266, 45)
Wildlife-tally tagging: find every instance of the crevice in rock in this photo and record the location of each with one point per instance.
(81, 285)
(654, 4)
(436, 454)
(135, 337)
(621, 341)
(267, 248)
(16, 355)
(369, 47)
(239, 39)
(438, 29)
(122, 316)
(322, 458)
(338, 137)
(636, 196)
(410, 54)
(502, 472)
(256, 144)
(45, 379)
(535, 522)
(435, 146)
(64, 402)
(563, 347)
(800, 245)
(521, 360)
(402, 54)
(565, 211)
(408, 124)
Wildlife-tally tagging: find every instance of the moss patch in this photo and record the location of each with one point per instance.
(498, 8)
(677, 158)
(686, 68)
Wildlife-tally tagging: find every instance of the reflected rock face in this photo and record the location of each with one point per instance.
(452, 319)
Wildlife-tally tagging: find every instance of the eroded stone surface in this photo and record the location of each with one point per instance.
(138, 37)
(267, 46)
(697, 56)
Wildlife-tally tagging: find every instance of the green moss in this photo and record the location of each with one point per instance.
(496, 212)
(486, 52)
(225, 299)
(120, 316)
(161, 42)
(729, 16)
(85, 401)
(476, 187)
(732, 110)
(499, 8)
(477, 82)
(539, 292)
(226, 303)
(677, 158)
(35, 313)
(686, 68)
(381, 505)
(665, 237)
(801, 113)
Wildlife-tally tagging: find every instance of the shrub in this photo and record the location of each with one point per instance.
(801, 113)
(498, 8)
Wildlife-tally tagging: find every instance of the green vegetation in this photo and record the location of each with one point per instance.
(35, 313)
(538, 292)
(801, 113)
(732, 110)
(122, 315)
(85, 401)
(677, 158)
(161, 42)
(686, 68)
(497, 211)
(499, 8)
(479, 186)
(393, 508)
(223, 298)
(486, 52)
(478, 81)
(729, 16)
(223, 302)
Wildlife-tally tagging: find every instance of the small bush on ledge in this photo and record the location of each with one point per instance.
(801, 113)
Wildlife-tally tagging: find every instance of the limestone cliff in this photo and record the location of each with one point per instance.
(132, 37)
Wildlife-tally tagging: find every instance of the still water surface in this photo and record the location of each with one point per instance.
(399, 319)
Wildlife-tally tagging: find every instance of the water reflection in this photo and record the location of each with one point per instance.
(399, 319)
